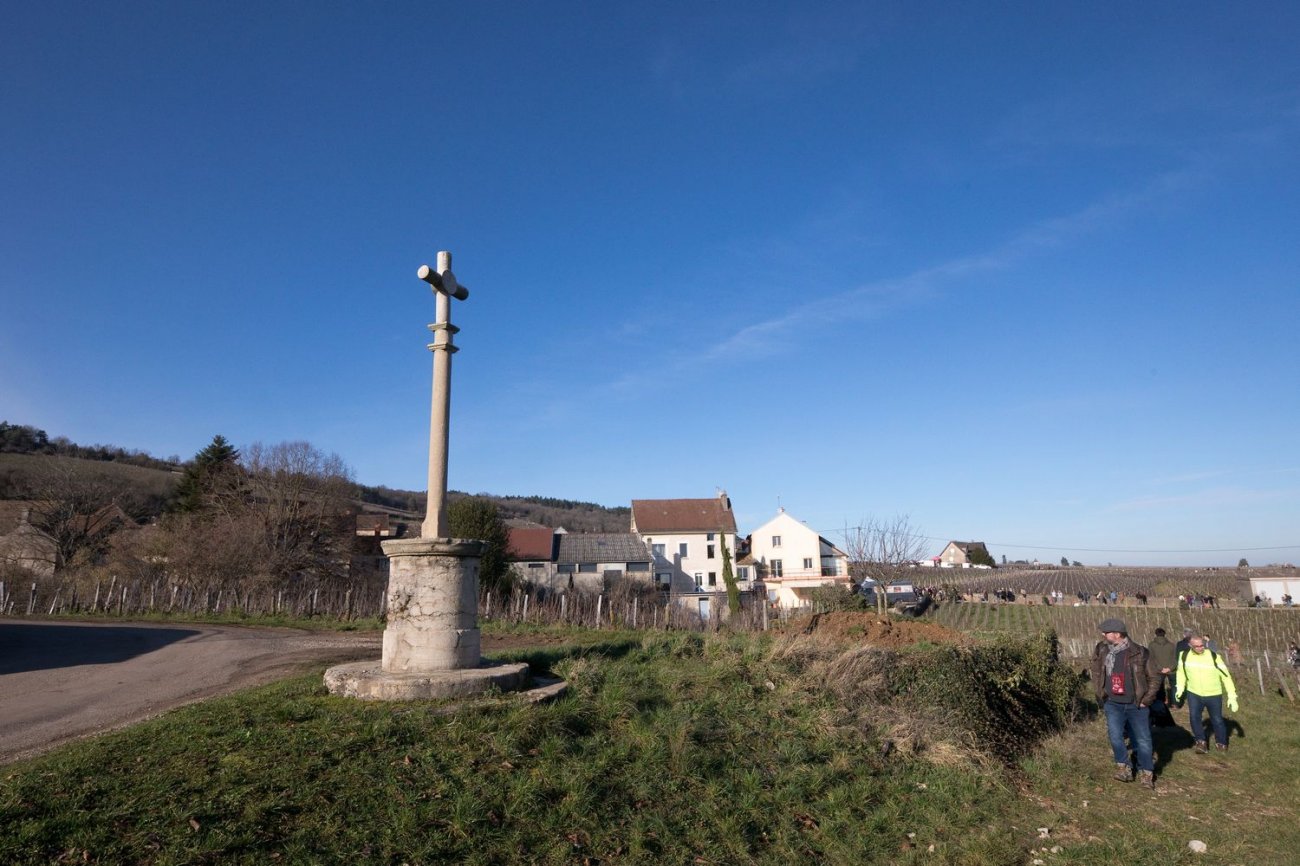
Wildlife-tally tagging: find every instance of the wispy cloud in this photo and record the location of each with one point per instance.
(1189, 477)
(1205, 475)
(875, 299)
(809, 50)
(1217, 497)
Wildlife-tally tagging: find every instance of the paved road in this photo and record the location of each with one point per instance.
(61, 681)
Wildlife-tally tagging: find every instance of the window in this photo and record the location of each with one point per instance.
(664, 579)
(776, 568)
(708, 552)
(565, 568)
(709, 537)
(776, 541)
(698, 585)
(638, 566)
(681, 549)
(807, 563)
(534, 565)
(587, 567)
(742, 573)
(713, 578)
(658, 549)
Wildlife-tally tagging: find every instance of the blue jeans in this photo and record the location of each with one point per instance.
(1214, 704)
(1135, 721)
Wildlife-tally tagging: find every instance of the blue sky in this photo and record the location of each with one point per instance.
(1024, 272)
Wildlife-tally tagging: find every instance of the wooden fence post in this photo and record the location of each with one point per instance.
(1286, 687)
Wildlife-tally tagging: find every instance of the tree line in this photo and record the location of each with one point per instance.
(277, 516)
(25, 439)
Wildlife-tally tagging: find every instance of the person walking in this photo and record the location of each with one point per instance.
(1164, 656)
(1179, 649)
(1125, 681)
(1204, 681)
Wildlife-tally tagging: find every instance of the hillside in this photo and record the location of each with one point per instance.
(143, 492)
(545, 510)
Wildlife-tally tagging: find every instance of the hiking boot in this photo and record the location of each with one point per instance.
(1123, 773)
(1221, 747)
(1199, 748)
(1148, 779)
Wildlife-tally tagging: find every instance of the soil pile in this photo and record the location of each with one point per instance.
(873, 629)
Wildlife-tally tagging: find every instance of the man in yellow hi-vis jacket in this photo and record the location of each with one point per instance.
(1204, 681)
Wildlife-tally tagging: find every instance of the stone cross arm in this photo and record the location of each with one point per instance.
(444, 282)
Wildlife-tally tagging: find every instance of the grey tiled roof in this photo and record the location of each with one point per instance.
(602, 547)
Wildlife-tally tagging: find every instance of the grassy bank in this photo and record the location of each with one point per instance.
(672, 749)
(669, 748)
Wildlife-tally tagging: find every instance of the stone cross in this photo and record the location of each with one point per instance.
(445, 288)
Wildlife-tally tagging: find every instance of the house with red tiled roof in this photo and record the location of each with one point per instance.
(686, 537)
(532, 552)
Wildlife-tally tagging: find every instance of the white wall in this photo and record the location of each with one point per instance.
(798, 543)
(696, 561)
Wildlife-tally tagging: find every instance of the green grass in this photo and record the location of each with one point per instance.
(1240, 803)
(673, 750)
(668, 748)
(315, 623)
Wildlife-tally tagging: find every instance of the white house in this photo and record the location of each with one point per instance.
(686, 538)
(793, 560)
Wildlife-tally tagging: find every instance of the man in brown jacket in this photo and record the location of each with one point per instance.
(1126, 681)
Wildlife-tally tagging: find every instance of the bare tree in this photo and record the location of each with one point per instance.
(76, 510)
(879, 550)
(302, 496)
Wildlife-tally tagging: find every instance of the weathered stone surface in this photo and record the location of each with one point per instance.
(368, 681)
(432, 605)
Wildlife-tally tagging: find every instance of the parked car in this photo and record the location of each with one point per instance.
(895, 593)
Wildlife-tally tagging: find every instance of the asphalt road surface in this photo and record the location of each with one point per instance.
(60, 681)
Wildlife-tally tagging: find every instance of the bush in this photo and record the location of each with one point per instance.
(828, 598)
(948, 702)
(1007, 694)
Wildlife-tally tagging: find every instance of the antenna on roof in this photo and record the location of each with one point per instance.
(779, 507)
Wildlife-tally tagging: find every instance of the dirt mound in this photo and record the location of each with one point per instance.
(875, 630)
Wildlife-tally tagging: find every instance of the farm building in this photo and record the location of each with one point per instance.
(962, 554)
(1271, 589)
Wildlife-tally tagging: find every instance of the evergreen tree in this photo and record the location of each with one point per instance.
(480, 519)
(211, 471)
(729, 579)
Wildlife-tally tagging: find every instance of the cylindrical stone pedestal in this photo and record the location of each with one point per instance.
(431, 645)
(432, 605)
